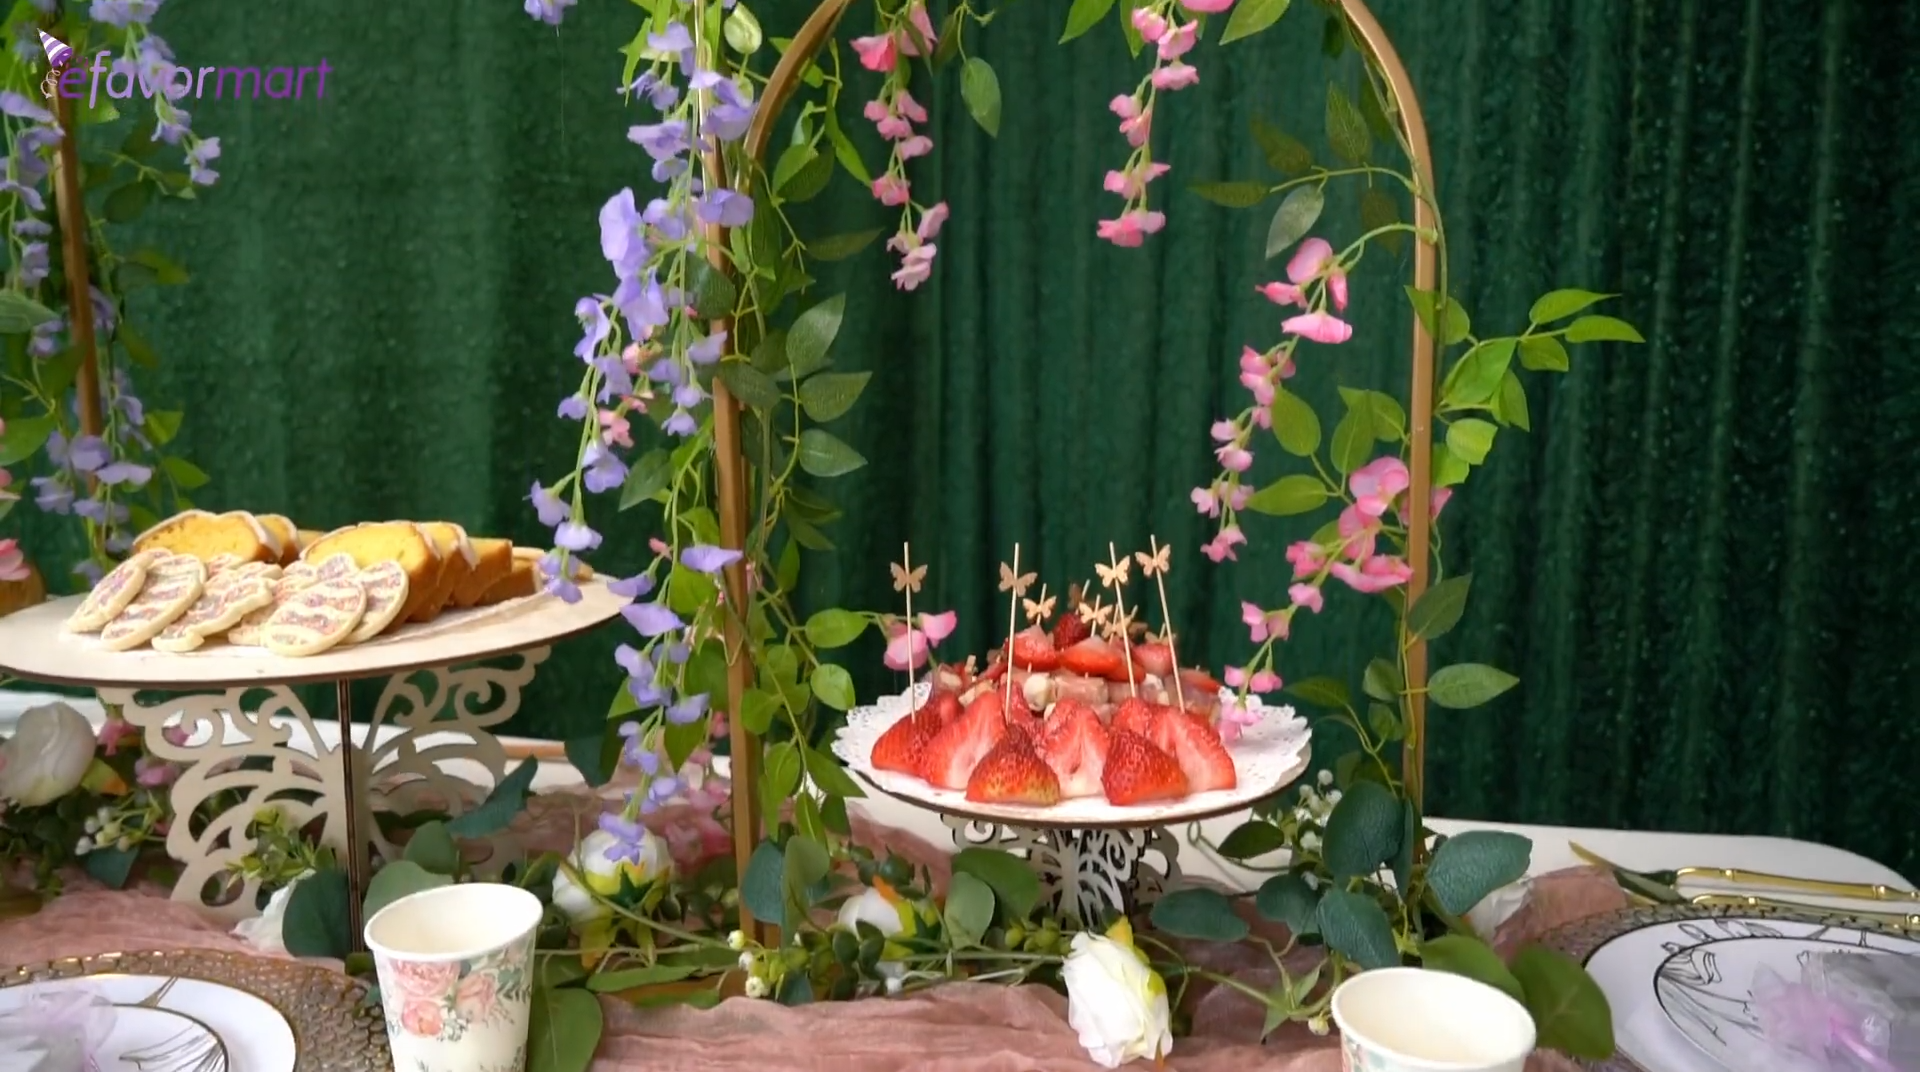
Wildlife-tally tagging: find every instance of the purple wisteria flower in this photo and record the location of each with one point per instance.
(573, 408)
(708, 559)
(549, 11)
(123, 13)
(652, 619)
(634, 587)
(574, 536)
(548, 505)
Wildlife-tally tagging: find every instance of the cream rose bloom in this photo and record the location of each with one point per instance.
(883, 909)
(1116, 1003)
(602, 875)
(265, 932)
(47, 756)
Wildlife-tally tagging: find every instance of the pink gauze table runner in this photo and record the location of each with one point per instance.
(961, 1027)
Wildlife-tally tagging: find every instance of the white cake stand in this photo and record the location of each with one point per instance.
(227, 698)
(1092, 857)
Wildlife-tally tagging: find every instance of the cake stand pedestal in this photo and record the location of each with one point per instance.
(1094, 860)
(227, 716)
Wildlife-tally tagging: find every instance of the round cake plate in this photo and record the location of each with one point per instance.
(35, 646)
(194, 1023)
(1267, 758)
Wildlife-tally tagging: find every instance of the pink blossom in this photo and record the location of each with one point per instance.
(931, 221)
(876, 53)
(1337, 286)
(1262, 624)
(175, 735)
(1307, 261)
(916, 267)
(154, 773)
(1220, 548)
(1306, 595)
(1234, 459)
(918, 16)
(1375, 484)
(1206, 7)
(1320, 327)
(1224, 431)
(918, 145)
(1178, 41)
(1235, 717)
(940, 626)
(1283, 294)
(1151, 26)
(1238, 496)
(1133, 182)
(1206, 501)
(1234, 676)
(1131, 228)
(1377, 574)
(618, 431)
(1262, 387)
(6, 478)
(630, 357)
(906, 648)
(1264, 681)
(13, 562)
(1357, 532)
(1435, 503)
(112, 732)
(1138, 129)
(891, 125)
(1174, 76)
(1307, 557)
(1262, 415)
(1124, 106)
(909, 107)
(891, 190)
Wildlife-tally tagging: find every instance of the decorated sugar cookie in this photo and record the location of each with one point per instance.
(386, 586)
(111, 596)
(315, 619)
(222, 563)
(173, 584)
(335, 568)
(227, 598)
(249, 629)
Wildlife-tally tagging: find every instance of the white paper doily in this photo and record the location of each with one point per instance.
(1267, 757)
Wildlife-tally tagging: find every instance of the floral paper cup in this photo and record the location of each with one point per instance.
(1414, 1020)
(456, 972)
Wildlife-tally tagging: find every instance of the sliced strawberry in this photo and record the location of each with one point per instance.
(1086, 690)
(1075, 745)
(1069, 630)
(1198, 681)
(1155, 659)
(1196, 747)
(1013, 773)
(942, 707)
(1138, 773)
(1033, 649)
(905, 742)
(1094, 658)
(951, 755)
(1134, 715)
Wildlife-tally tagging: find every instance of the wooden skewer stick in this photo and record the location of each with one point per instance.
(1012, 583)
(907, 579)
(1115, 576)
(1155, 565)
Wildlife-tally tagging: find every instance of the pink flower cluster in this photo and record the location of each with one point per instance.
(1313, 262)
(894, 113)
(1377, 488)
(907, 649)
(13, 561)
(882, 51)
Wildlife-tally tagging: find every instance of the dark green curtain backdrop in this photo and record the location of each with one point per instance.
(1698, 562)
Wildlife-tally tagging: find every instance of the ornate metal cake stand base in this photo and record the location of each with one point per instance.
(237, 756)
(1086, 875)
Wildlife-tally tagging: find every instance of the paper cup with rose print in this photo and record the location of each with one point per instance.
(456, 972)
(1414, 1020)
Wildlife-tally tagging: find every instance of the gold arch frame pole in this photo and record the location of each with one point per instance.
(71, 209)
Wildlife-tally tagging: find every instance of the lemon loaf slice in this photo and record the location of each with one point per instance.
(493, 561)
(388, 541)
(285, 533)
(522, 579)
(204, 535)
(457, 561)
(306, 538)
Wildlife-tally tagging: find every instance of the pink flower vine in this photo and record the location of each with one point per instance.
(894, 113)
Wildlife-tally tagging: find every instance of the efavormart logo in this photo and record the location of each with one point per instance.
(149, 76)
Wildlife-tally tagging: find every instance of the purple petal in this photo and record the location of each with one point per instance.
(652, 619)
(634, 587)
(708, 559)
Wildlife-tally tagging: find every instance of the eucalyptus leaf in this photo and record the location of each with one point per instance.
(563, 1029)
(399, 878)
(1289, 900)
(1463, 954)
(1355, 927)
(1363, 832)
(433, 848)
(1251, 840)
(507, 800)
(1570, 1012)
(1198, 913)
(969, 910)
(761, 889)
(1016, 888)
(1469, 866)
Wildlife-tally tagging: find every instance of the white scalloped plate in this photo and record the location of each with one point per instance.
(1267, 758)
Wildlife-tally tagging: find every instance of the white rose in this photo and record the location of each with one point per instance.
(47, 756)
(602, 874)
(1115, 1001)
(885, 911)
(264, 931)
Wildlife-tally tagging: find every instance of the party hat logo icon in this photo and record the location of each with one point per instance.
(58, 52)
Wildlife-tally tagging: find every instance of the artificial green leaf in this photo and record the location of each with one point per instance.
(1570, 1012)
(833, 685)
(20, 314)
(1389, 419)
(399, 878)
(807, 863)
(823, 455)
(1199, 913)
(831, 394)
(1322, 692)
(1297, 214)
(950, 34)
(792, 159)
(1232, 194)
(1333, 37)
(315, 924)
(1383, 722)
(651, 474)
(845, 153)
(594, 755)
(1015, 887)
(812, 178)
(1559, 304)
(1289, 495)
(760, 888)
(1439, 608)
(507, 800)
(1084, 15)
(434, 849)
(742, 30)
(652, 975)
(1284, 154)
(835, 628)
(109, 866)
(126, 203)
(980, 89)
(1363, 832)
(1412, 839)
(1602, 329)
(1463, 954)
(812, 335)
(185, 475)
(1464, 685)
(1475, 378)
(1543, 353)
(756, 710)
(828, 775)
(1378, 209)
(780, 770)
(1469, 866)
(712, 292)
(1289, 900)
(24, 437)
(1470, 439)
(1511, 403)
(1383, 682)
(1356, 928)
(1352, 441)
(1252, 16)
(1447, 469)
(969, 910)
(1252, 839)
(563, 1029)
(1346, 127)
(1458, 325)
(841, 246)
(1295, 424)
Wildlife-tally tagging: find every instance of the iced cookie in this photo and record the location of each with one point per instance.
(111, 596)
(315, 619)
(387, 587)
(249, 629)
(227, 598)
(333, 568)
(173, 584)
(221, 563)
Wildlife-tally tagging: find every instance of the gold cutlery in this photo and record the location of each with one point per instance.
(1662, 887)
(152, 1001)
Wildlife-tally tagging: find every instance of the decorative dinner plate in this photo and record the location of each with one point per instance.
(1680, 978)
(1268, 756)
(260, 1014)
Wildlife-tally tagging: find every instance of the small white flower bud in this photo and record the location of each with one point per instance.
(83, 846)
(1310, 841)
(756, 988)
(1325, 778)
(123, 844)
(1318, 1025)
(737, 941)
(894, 984)
(1333, 797)
(746, 962)
(92, 826)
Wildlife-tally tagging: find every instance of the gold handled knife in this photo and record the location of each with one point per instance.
(1670, 880)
